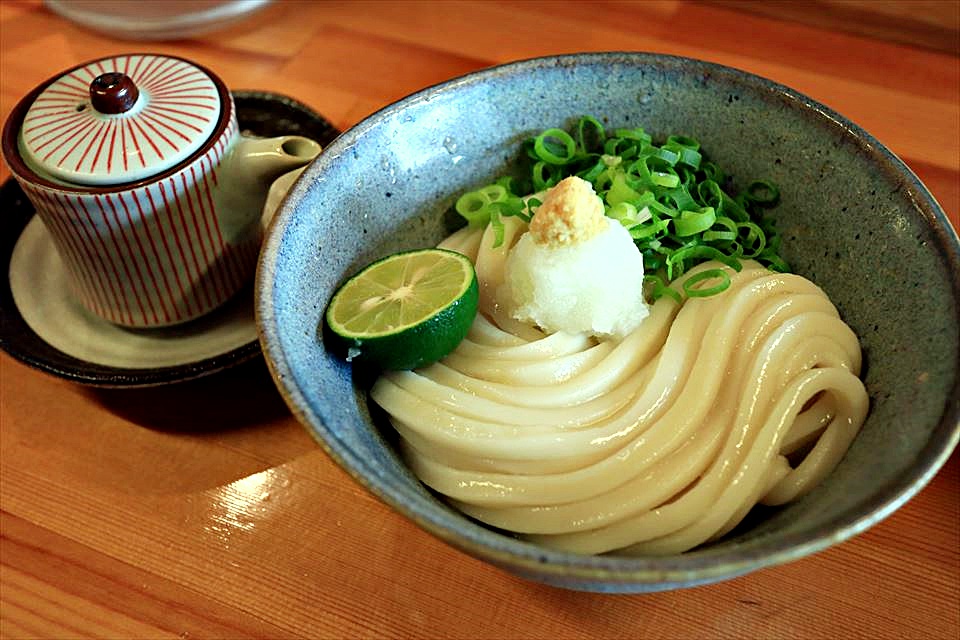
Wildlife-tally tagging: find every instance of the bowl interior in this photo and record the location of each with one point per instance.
(854, 220)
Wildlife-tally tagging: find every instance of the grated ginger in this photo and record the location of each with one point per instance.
(571, 213)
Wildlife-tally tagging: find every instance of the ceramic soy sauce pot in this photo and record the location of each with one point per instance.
(152, 196)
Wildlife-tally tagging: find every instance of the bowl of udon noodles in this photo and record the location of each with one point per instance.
(724, 434)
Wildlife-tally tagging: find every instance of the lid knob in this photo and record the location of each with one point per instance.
(113, 92)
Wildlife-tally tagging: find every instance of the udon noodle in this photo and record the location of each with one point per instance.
(651, 445)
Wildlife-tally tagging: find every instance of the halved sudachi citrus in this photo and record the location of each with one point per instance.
(407, 310)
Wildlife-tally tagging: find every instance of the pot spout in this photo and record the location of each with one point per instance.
(260, 161)
(251, 166)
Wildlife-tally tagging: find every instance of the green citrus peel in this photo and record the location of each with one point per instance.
(405, 311)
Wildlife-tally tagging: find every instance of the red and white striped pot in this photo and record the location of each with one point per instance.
(152, 197)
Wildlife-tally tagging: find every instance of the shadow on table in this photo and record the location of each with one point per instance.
(238, 398)
(195, 435)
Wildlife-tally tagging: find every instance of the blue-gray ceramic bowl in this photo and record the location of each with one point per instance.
(854, 218)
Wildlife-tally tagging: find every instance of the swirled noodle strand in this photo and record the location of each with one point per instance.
(651, 445)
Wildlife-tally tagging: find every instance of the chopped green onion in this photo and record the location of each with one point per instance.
(763, 192)
(542, 182)
(648, 230)
(620, 191)
(690, 284)
(472, 206)
(710, 193)
(676, 260)
(652, 263)
(683, 141)
(681, 197)
(688, 178)
(494, 192)
(668, 179)
(585, 124)
(773, 262)
(593, 172)
(638, 173)
(659, 289)
(627, 214)
(647, 199)
(551, 143)
(685, 155)
(720, 236)
(690, 223)
(669, 196)
(637, 134)
(717, 236)
(621, 147)
(713, 172)
(666, 154)
(488, 204)
(508, 183)
(754, 238)
(691, 158)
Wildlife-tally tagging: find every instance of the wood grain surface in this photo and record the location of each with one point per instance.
(204, 510)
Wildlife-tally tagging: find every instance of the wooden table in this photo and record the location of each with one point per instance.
(205, 510)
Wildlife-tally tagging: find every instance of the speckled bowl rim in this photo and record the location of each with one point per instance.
(618, 573)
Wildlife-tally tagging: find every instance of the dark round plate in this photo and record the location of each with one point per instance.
(260, 113)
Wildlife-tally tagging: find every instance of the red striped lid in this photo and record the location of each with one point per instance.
(120, 119)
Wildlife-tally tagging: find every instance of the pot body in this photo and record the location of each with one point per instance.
(154, 254)
(170, 246)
